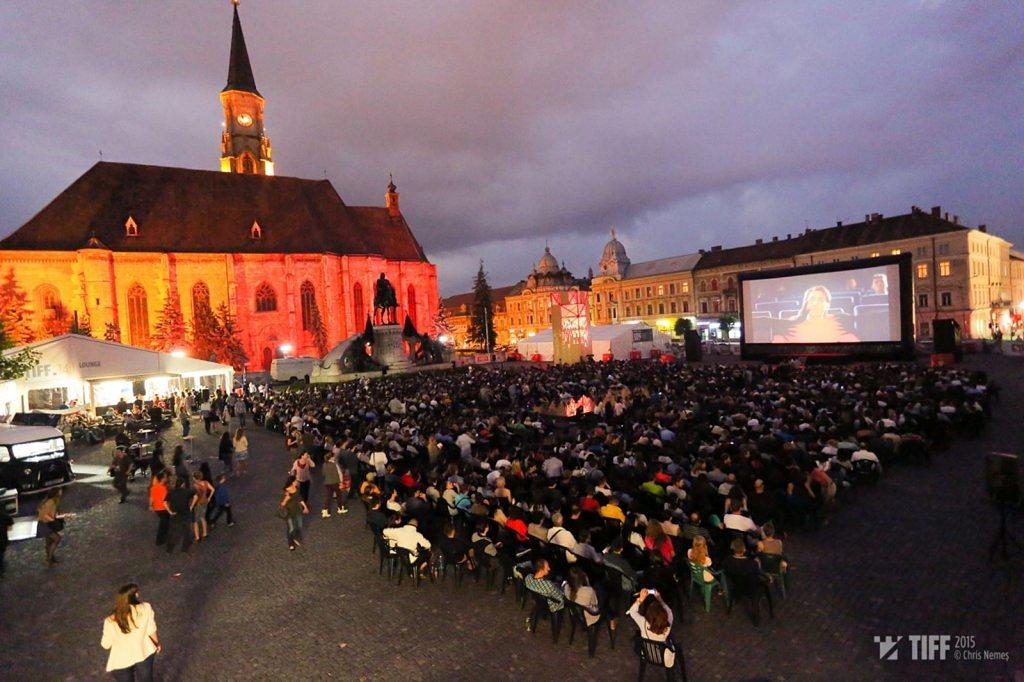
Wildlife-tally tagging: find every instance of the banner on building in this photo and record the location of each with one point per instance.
(570, 326)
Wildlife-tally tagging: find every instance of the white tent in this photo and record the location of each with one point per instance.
(618, 339)
(83, 371)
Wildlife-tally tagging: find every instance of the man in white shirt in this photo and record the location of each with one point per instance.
(407, 537)
(552, 467)
(465, 443)
(379, 461)
(558, 535)
(740, 522)
(863, 453)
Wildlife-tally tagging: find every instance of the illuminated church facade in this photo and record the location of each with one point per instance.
(280, 252)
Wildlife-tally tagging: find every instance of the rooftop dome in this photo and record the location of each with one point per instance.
(614, 249)
(547, 264)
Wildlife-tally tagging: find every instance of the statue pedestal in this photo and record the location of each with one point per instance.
(388, 348)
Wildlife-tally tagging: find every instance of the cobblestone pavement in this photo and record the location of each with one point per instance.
(908, 557)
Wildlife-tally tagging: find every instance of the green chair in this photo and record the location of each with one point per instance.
(697, 579)
(771, 566)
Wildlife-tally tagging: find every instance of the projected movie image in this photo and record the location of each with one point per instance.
(850, 306)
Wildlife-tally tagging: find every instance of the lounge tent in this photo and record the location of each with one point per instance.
(618, 339)
(76, 370)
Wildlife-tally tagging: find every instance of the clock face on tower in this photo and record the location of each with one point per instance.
(244, 120)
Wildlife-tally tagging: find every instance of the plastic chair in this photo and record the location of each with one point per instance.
(653, 652)
(705, 586)
(771, 566)
(541, 610)
(388, 556)
(577, 616)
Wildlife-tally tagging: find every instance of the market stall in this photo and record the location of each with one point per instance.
(76, 370)
(620, 341)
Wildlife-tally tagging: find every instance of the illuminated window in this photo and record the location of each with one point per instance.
(256, 232)
(266, 299)
(130, 228)
(946, 299)
(138, 316)
(896, 252)
(944, 268)
(875, 254)
(307, 296)
(922, 270)
(661, 290)
(686, 287)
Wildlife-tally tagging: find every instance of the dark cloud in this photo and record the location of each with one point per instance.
(682, 124)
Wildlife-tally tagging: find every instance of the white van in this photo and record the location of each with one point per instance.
(291, 369)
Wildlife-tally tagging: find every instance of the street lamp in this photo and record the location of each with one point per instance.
(178, 353)
(286, 348)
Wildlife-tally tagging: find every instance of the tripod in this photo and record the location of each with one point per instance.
(1004, 539)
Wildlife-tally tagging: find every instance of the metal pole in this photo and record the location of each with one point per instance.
(487, 329)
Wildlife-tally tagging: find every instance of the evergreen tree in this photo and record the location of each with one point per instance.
(59, 324)
(319, 330)
(481, 323)
(683, 325)
(14, 366)
(206, 333)
(170, 332)
(14, 313)
(81, 325)
(112, 332)
(230, 350)
(441, 325)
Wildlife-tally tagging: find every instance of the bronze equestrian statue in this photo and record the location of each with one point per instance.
(385, 302)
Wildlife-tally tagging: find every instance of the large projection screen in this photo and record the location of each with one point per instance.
(855, 307)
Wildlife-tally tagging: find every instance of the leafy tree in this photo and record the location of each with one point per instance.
(171, 332)
(319, 330)
(726, 322)
(14, 314)
(481, 323)
(112, 332)
(16, 364)
(230, 350)
(683, 325)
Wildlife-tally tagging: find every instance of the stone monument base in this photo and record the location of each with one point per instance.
(388, 348)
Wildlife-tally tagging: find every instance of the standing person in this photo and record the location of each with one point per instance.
(225, 452)
(178, 462)
(157, 498)
(333, 477)
(178, 505)
(292, 508)
(52, 523)
(221, 501)
(120, 465)
(207, 413)
(240, 443)
(185, 419)
(302, 470)
(240, 411)
(202, 493)
(131, 636)
(156, 462)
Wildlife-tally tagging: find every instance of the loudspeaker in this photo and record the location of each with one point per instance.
(1002, 478)
(946, 334)
(693, 348)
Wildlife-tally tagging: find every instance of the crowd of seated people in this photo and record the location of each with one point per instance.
(681, 473)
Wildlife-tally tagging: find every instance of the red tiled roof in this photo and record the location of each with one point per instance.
(198, 211)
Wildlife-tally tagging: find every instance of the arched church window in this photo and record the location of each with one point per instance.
(200, 298)
(266, 299)
(138, 316)
(358, 311)
(410, 304)
(307, 295)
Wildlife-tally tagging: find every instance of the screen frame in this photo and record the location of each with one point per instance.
(901, 349)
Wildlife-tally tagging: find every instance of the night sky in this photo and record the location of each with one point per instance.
(683, 125)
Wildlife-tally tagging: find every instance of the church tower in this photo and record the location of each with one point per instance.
(244, 145)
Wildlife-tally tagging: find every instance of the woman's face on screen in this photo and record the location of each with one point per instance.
(817, 303)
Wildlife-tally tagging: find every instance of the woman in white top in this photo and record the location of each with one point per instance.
(241, 444)
(130, 635)
(654, 619)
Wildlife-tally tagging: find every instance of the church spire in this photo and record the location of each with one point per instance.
(239, 69)
(244, 144)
